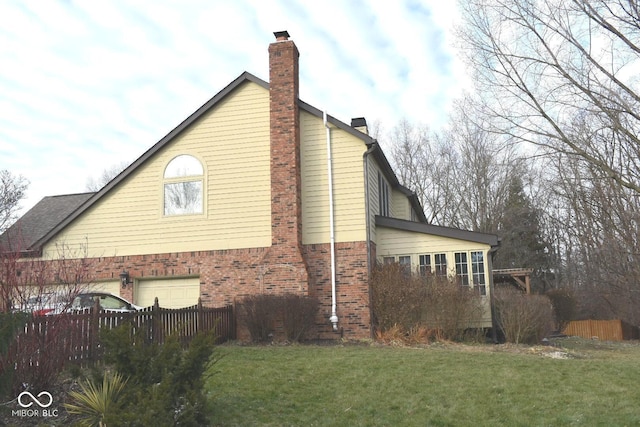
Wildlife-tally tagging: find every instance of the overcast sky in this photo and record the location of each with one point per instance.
(86, 85)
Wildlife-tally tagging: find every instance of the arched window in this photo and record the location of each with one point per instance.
(183, 184)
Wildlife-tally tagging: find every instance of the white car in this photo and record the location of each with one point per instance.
(107, 301)
(42, 304)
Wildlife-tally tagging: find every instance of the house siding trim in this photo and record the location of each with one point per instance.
(436, 230)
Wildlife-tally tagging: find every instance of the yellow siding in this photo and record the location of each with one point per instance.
(400, 206)
(398, 242)
(232, 142)
(348, 183)
(372, 172)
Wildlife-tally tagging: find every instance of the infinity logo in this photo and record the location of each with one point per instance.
(35, 399)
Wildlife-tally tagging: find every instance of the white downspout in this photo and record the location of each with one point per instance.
(334, 314)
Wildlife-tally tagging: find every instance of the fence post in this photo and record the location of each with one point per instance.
(232, 313)
(155, 314)
(94, 329)
(199, 317)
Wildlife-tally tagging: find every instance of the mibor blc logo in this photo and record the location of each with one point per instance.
(35, 406)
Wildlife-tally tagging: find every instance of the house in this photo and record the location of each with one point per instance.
(256, 192)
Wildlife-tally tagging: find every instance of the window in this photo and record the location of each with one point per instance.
(477, 267)
(383, 196)
(462, 268)
(405, 262)
(183, 184)
(441, 264)
(388, 260)
(425, 265)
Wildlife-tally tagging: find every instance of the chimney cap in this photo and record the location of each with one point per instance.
(358, 122)
(281, 35)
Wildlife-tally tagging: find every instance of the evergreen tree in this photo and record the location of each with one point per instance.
(522, 244)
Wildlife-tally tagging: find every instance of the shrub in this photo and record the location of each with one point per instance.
(165, 381)
(397, 298)
(522, 318)
(10, 325)
(450, 308)
(259, 313)
(298, 315)
(435, 304)
(263, 313)
(34, 358)
(564, 307)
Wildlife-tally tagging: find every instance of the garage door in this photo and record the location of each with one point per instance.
(111, 287)
(171, 293)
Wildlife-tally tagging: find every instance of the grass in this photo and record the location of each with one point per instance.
(440, 385)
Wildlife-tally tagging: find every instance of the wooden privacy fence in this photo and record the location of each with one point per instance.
(606, 330)
(75, 336)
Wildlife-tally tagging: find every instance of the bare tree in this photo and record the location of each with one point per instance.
(596, 223)
(461, 175)
(12, 191)
(561, 74)
(29, 279)
(425, 165)
(95, 184)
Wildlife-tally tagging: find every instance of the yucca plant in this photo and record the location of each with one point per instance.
(94, 402)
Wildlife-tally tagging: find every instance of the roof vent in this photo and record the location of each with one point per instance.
(281, 35)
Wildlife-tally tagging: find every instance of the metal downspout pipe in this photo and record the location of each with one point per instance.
(334, 306)
(367, 208)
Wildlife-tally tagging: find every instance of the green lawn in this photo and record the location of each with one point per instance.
(441, 385)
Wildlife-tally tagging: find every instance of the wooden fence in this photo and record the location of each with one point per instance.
(605, 330)
(75, 336)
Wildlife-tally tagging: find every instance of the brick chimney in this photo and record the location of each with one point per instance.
(286, 187)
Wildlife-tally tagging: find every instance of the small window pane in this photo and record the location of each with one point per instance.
(462, 270)
(425, 265)
(182, 198)
(479, 281)
(441, 264)
(405, 262)
(183, 165)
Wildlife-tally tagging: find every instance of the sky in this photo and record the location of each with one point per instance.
(87, 85)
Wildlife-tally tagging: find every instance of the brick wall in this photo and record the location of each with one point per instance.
(352, 287)
(226, 276)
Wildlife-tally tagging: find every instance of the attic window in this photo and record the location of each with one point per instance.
(183, 184)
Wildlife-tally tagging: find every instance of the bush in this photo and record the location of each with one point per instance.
(522, 318)
(259, 313)
(564, 307)
(165, 381)
(397, 298)
(413, 303)
(32, 360)
(296, 314)
(10, 325)
(450, 308)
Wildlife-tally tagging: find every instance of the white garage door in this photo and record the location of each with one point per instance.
(171, 293)
(111, 287)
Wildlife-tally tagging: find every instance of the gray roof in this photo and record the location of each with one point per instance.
(40, 220)
(436, 230)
